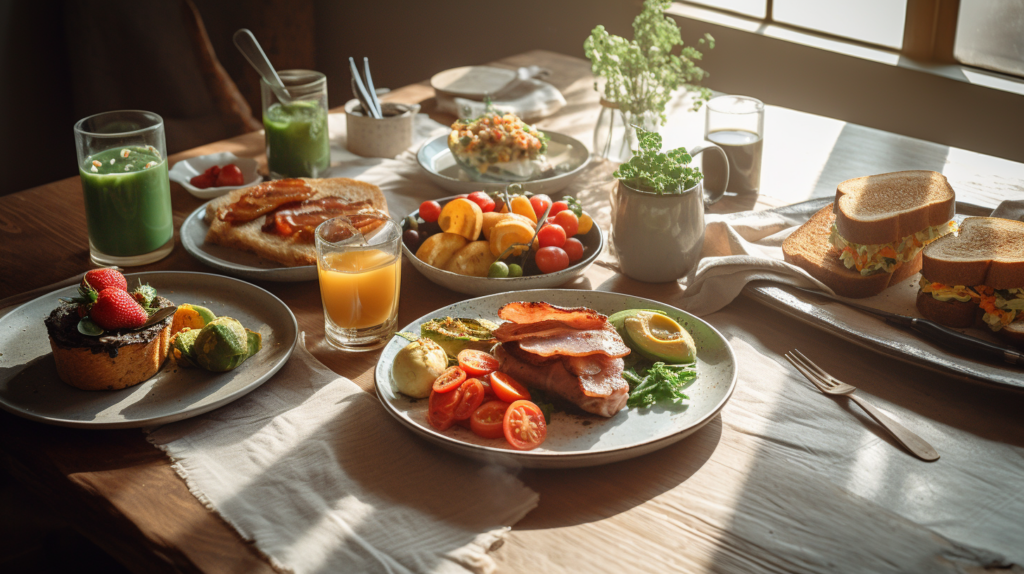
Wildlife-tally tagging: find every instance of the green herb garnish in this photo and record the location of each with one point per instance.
(661, 383)
(661, 173)
(641, 74)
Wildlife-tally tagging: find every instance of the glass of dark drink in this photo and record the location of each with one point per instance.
(736, 124)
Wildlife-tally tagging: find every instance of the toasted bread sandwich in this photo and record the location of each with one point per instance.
(276, 219)
(977, 275)
(872, 235)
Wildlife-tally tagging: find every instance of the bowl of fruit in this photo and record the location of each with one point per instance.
(494, 242)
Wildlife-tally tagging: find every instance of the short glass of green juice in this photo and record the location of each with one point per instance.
(122, 159)
(296, 129)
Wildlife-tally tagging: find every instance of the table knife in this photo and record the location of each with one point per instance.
(939, 334)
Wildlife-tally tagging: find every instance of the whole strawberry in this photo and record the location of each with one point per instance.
(117, 309)
(100, 279)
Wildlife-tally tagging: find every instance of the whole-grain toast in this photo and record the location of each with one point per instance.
(885, 208)
(987, 251)
(809, 249)
(249, 236)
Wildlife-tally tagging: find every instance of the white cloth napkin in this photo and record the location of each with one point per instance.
(320, 478)
(527, 97)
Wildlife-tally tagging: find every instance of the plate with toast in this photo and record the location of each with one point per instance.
(900, 243)
(265, 232)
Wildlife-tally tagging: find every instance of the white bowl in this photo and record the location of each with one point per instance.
(186, 169)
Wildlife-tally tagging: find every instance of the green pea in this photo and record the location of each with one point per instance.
(514, 270)
(498, 269)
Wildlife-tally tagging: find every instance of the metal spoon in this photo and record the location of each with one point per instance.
(252, 51)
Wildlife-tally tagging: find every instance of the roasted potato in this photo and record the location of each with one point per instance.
(437, 249)
(474, 259)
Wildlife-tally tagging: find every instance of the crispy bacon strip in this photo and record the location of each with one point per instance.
(575, 343)
(535, 312)
(296, 218)
(264, 198)
(599, 376)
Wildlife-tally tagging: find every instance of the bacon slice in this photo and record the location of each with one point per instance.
(301, 219)
(264, 198)
(599, 376)
(535, 312)
(603, 393)
(575, 343)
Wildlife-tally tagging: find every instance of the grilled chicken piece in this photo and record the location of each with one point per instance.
(596, 385)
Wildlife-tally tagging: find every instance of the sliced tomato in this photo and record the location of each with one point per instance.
(477, 363)
(524, 425)
(508, 389)
(472, 396)
(449, 380)
(488, 420)
(441, 411)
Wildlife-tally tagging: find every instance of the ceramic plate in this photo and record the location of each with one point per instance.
(235, 261)
(593, 244)
(576, 440)
(186, 169)
(473, 82)
(30, 387)
(567, 154)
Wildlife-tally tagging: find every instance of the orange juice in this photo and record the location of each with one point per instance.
(360, 288)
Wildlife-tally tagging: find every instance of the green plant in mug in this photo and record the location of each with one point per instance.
(661, 173)
(641, 74)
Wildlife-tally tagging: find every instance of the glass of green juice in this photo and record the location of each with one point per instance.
(296, 130)
(122, 159)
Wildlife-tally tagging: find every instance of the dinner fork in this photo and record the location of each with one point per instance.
(830, 385)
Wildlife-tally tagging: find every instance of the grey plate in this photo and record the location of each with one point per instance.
(235, 261)
(30, 388)
(576, 440)
(593, 243)
(437, 160)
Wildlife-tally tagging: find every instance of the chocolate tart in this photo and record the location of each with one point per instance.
(114, 360)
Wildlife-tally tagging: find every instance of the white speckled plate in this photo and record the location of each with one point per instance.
(235, 261)
(30, 387)
(593, 244)
(576, 440)
(568, 155)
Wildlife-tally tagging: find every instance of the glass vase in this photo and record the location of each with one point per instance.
(615, 133)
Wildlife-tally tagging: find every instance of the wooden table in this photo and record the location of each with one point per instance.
(122, 492)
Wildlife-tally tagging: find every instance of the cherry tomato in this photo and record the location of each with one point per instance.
(476, 362)
(483, 200)
(557, 207)
(230, 175)
(551, 259)
(508, 389)
(430, 211)
(574, 249)
(203, 181)
(488, 420)
(540, 203)
(441, 411)
(551, 236)
(524, 425)
(586, 222)
(449, 380)
(569, 222)
(472, 397)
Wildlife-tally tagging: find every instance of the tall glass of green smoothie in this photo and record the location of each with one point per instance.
(296, 129)
(122, 159)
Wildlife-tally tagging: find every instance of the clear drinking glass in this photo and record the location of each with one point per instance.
(122, 162)
(736, 123)
(296, 130)
(359, 262)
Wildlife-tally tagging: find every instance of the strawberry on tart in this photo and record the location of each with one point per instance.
(108, 338)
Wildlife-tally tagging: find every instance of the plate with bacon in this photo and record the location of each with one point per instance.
(566, 353)
(265, 232)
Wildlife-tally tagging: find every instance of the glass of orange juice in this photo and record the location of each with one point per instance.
(359, 262)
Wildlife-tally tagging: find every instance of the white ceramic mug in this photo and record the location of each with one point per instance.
(385, 137)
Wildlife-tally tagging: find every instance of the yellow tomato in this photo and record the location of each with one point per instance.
(462, 217)
(507, 232)
(522, 206)
(586, 222)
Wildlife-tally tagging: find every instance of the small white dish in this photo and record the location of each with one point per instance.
(186, 169)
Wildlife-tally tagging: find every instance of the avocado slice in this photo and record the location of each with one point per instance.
(659, 338)
(618, 320)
